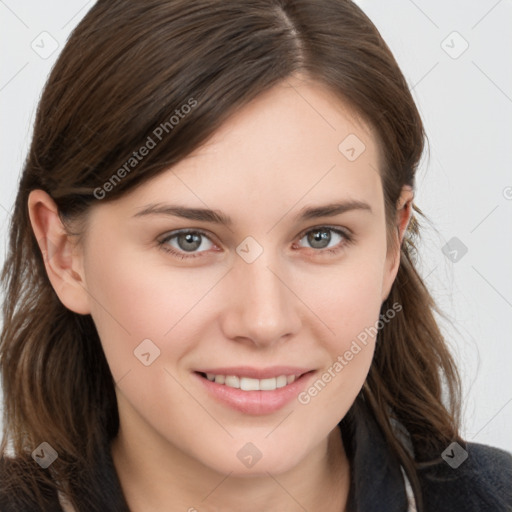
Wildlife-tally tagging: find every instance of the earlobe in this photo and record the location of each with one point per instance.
(62, 259)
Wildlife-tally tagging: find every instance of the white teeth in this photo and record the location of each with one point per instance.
(281, 381)
(268, 384)
(232, 381)
(250, 384)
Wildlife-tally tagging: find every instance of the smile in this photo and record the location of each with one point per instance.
(254, 391)
(250, 384)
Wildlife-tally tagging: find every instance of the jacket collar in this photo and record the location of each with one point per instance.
(378, 481)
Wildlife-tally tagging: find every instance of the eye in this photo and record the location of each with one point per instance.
(320, 238)
(185, 241)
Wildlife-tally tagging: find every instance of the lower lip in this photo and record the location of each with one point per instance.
(255, 402)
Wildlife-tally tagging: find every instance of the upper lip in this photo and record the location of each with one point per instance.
(257, 373)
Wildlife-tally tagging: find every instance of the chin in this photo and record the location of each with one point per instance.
(249, 460)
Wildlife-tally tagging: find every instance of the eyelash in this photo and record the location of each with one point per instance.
(347, 240)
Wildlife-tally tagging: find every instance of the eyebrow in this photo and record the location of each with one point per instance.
(217, 217)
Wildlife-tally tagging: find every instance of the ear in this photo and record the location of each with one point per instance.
(403, 217)
(62, 258)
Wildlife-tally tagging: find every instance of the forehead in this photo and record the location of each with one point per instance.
(295, 144)
(297, 119)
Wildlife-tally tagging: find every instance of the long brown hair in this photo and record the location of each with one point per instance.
(128, 67)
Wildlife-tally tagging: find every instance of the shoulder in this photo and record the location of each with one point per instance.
(20, 491)
(471, 477)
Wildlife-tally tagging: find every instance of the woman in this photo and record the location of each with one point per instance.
(211, 298)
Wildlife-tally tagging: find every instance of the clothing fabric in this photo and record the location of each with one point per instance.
(481, 483)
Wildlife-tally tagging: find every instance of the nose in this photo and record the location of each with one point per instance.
(261, 308)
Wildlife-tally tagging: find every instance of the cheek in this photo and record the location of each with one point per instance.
(348, 302)
(135, 296)
(346, 299)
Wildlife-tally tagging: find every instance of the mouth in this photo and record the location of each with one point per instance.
(252, 391)
(250, 384)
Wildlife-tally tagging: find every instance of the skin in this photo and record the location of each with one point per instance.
(291, 306)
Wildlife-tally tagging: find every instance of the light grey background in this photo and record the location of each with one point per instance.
(465, 187)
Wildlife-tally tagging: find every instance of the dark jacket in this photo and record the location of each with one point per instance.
(481, 482)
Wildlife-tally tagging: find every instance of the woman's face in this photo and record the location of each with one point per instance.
(275, 294)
